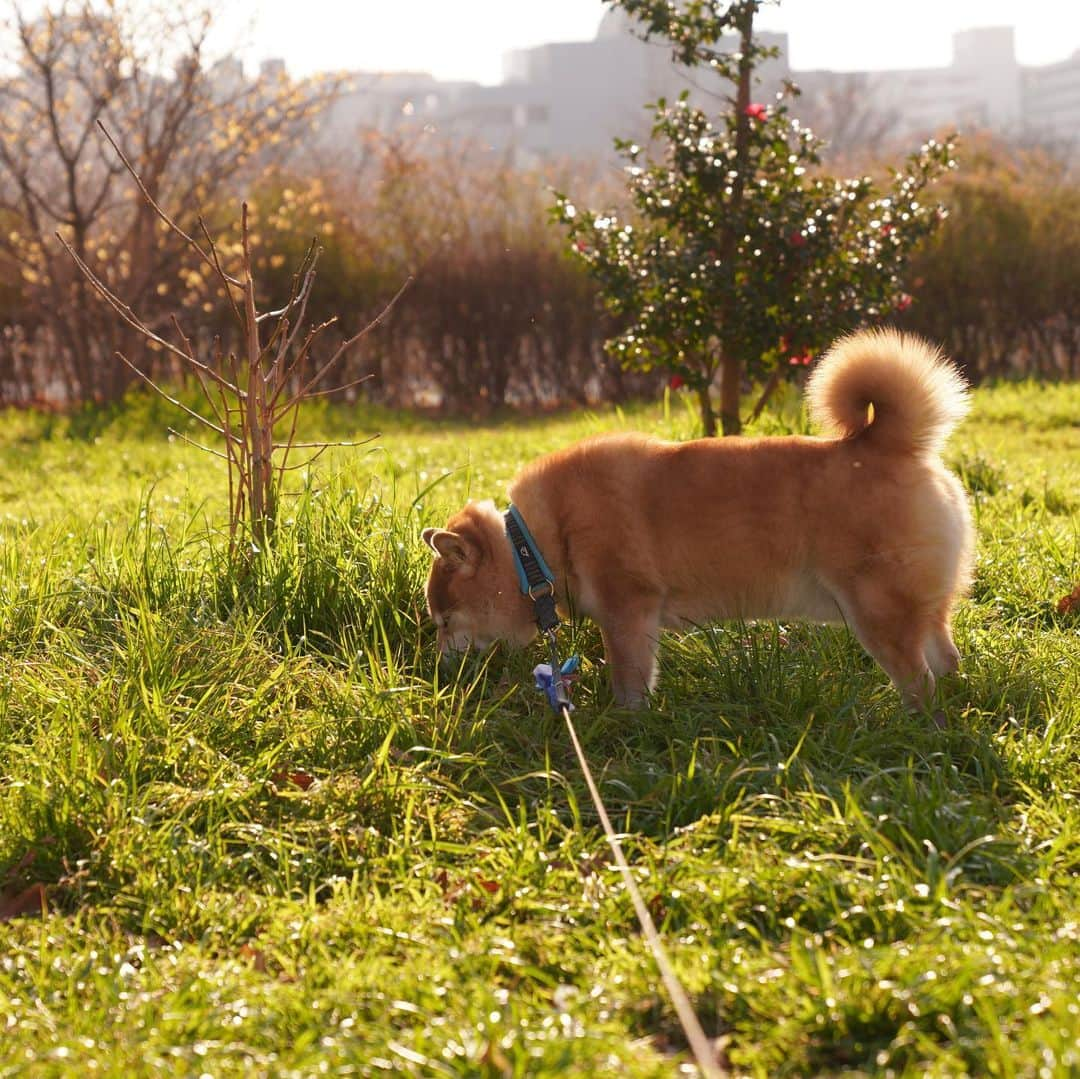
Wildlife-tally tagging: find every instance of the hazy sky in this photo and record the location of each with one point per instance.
(466, 39)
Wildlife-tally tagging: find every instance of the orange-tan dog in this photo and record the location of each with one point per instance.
(865, 527)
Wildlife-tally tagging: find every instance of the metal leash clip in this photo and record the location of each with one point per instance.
(553, 679)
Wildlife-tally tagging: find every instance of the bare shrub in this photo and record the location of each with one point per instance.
(253, 392)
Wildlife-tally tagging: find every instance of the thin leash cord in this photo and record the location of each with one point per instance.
(695, 1036)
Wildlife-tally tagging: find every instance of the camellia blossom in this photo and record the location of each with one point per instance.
(795, 359)
(757, 111)
(676, 382)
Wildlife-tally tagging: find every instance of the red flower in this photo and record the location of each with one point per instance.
(756, 111)
(676, 381)
(794, 359)
(904, 302)
(887, 230)
(797, 239)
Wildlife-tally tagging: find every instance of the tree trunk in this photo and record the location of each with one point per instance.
(766, 393)
(708, 417)
(730, 366)
(730, 385)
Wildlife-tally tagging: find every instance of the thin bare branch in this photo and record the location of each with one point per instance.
(305, 347)
(198, 368)
(339, 389)
(190, 241)
(258, 423)
(321, 445)
(346, 345)
(304, 464)
(172, 400)
(292, 429)
(310, 256)
(198, 445)
(280, 338)
(218, 268)
(766, 393)
(297, 367)
(311, 259)
(133, 320)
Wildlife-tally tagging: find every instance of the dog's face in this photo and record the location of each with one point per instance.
(472, 591)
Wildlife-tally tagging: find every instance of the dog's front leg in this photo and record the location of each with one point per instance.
(631, 636)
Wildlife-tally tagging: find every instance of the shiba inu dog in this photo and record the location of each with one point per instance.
(863, 526)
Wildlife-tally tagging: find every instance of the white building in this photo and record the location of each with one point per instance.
(980, 89)
(571, 99)
(1051, 96)
(382, 101)
(585, 93)
(562, 100)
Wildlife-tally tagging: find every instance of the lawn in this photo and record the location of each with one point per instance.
(271, 836)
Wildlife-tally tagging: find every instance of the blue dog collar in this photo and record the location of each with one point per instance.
(534, 575)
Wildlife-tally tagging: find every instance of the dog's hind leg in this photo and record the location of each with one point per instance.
(902, 658)
(941, 652)
(894, 633)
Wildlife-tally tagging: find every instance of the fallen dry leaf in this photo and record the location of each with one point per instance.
(1070, 604)
(451, 889)
(295, 779)
(30, 900)
(657, 908)
(24, 862)
(255, 956)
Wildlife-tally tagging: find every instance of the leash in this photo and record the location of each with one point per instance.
(554, 679)
(704, 1054)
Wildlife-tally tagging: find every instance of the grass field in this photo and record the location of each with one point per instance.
(273, 838)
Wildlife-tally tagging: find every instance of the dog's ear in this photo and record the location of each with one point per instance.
(460, 549)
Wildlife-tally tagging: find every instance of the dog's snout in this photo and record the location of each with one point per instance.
(450, 644)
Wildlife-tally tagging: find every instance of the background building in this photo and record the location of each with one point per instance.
(569, 99)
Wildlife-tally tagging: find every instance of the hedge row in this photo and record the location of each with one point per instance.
(497, 314)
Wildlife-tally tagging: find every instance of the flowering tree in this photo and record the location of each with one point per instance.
(741, 257)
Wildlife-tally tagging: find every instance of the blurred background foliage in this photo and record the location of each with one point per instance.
(499, 314)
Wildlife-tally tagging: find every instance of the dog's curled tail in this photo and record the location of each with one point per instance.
(891, 389)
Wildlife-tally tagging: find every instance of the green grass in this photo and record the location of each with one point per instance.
(844, 888)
